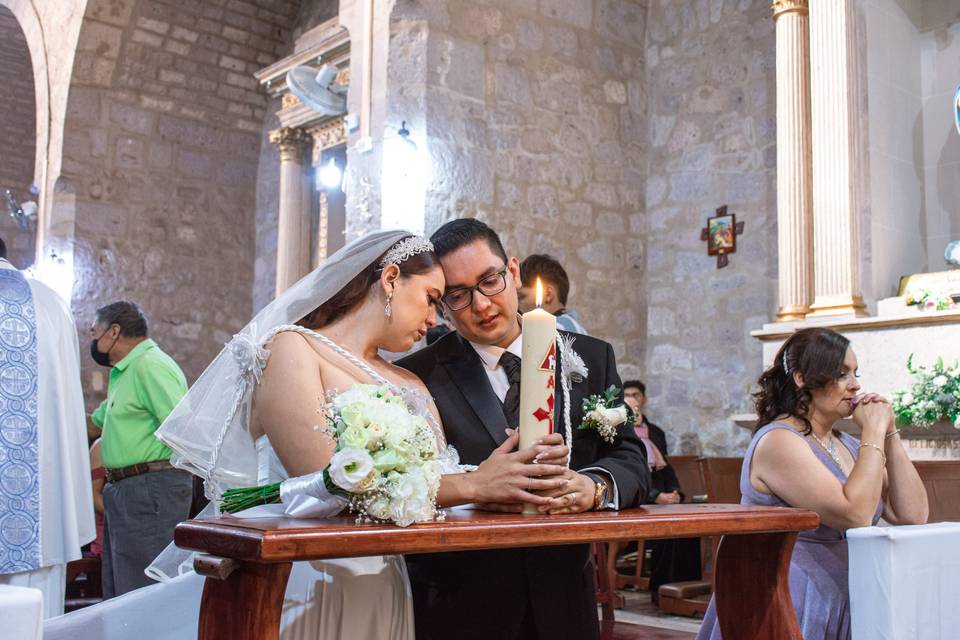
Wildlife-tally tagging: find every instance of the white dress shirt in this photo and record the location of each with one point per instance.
(490, 357)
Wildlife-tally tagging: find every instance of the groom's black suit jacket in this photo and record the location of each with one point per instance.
(537, 592)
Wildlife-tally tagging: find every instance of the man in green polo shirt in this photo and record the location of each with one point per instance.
(145, 497)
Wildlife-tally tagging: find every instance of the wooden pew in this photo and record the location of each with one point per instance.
(690, 477)
(721, 482)
(691, 482)
(941, 479)
(249, 560)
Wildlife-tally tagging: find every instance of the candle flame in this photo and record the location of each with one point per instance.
(539, 293)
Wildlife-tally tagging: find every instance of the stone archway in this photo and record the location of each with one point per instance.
(18, 134)
(156, 197)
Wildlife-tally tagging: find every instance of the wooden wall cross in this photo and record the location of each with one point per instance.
(720, 234)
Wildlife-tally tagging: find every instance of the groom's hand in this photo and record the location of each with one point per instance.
(576, 497)
(508, 478)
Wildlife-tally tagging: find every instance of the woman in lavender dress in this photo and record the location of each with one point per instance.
(797, 459)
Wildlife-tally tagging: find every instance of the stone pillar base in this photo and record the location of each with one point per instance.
(841, 306)
(792, 313)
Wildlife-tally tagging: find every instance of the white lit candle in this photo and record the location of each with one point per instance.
(538, 366)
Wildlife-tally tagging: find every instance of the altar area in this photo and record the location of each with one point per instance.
(863, 216)
(883, 343)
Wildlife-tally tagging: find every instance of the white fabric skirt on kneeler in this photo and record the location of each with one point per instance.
(904, 582)
(21, 612)
(341, 599)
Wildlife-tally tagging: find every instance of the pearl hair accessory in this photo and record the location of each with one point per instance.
(406, 249)
(786, 369)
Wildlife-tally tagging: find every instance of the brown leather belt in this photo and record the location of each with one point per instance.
(114, 475)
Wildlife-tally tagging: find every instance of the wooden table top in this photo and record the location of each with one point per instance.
(286, 539)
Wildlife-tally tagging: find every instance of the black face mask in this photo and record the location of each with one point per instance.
(101, 358)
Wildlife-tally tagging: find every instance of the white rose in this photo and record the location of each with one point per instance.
(907, 399)
(940, 381)
(615, 415)
(410, 499)
(356, 393)
(379, 508)
(400, 436)
(349, 468)
(596, 416)
(375, 434)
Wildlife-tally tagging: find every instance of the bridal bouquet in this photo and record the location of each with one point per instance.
(385, 466)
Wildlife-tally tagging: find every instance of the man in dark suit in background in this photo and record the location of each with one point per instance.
(473, 375)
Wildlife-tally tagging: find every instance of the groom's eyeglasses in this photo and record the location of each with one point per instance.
(490, 285)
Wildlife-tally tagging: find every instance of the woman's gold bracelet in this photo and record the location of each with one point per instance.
(891, 434)
(867, 444)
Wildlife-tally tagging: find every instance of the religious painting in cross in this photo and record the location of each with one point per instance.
(720, 234)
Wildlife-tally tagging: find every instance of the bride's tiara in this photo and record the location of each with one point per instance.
(406, 249)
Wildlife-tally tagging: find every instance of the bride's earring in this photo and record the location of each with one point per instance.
(387, 310)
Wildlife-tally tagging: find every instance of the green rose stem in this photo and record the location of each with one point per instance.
(234, 500)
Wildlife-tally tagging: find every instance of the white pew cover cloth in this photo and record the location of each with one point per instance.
(904, 582)
(21, 612)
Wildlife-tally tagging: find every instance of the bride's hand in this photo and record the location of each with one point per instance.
(511, 477)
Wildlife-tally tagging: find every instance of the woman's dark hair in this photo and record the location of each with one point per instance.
(357, 289)
(817, 354)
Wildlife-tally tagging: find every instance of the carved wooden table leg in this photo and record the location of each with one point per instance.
(753, 589)
(246, 605)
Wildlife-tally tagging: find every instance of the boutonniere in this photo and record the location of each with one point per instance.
(600, 413)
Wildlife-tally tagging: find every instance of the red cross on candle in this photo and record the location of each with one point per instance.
(542, 414)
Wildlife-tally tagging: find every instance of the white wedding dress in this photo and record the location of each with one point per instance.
(366, 598)
(339, 599)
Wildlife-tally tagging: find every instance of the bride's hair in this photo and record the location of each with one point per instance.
(355, 291)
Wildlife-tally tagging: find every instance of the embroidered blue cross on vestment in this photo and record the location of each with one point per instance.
(19, 436)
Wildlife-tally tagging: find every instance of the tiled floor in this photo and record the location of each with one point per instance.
(656, 625)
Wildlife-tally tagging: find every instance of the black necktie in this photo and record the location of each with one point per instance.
(511, 403)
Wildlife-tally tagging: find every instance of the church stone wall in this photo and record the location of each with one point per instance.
(535, 120)
(162, 143)
(712, 111)
(18, 131)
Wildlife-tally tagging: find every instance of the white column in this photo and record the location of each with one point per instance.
(293, 226)
(794, 171)
(835, 69)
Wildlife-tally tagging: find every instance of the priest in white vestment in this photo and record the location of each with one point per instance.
(46, 502)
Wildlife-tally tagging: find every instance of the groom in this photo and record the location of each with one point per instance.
(473, 375)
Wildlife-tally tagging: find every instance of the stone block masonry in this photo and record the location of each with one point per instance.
(535, 118)
(161, 153)
(712, 139)
(18, 128)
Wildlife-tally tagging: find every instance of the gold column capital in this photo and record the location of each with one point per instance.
(327, 135)
(291, 142)
(781, 7)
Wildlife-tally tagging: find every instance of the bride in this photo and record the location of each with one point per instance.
(254, 417)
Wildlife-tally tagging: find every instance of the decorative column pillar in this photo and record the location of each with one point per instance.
(320, 250)
(293, 227)
(794, 171)
(835, 69)
(330, 134)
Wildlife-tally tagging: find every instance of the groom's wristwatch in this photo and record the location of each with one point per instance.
(601, 492)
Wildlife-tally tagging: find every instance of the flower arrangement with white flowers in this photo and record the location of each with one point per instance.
(927, 301)
(385, 466)
(600, 413)
(935, 395)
